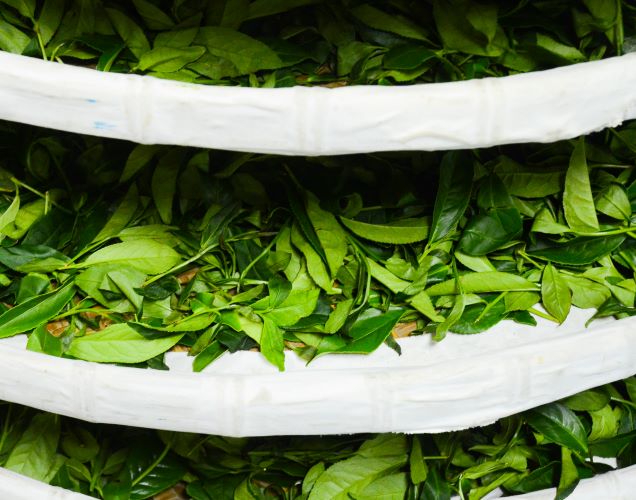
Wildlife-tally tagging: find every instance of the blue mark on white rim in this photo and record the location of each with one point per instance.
(92, 101)
(103, 126)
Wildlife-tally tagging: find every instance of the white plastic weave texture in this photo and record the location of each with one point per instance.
(542, 106)
(461, 382)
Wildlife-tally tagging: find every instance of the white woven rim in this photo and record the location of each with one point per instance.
(543, 106)
(615, 485)
(461, 382)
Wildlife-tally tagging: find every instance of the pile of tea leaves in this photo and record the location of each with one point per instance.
(113, 252)
(264, 43)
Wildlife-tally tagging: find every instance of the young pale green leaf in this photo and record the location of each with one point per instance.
(453, 194)
(586, 294)
(391, 487)
(332, 237)
(578, 204)
(9, 215)
(386, 277)
(43, 341)
(147, 256)
(422, 302)
(12, 39)
(590, 400)
(569, 475)
(559, 424)
(555, 294)
(551, 49)
(35, 453)
(119, 343)
(475, 263)
(613, 202)
(417, 464)
(36, 311)
(315, 264)
(400, 232)
(484, 282)
(312, 475)
(520, 301)
(605, 424)
(26, 8)
(272, 345)
(297, 305)
(545, 223)
(455, 314)
(50, 19)
(351, 476)
(338, 316)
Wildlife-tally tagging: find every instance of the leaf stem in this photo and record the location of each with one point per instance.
(42, 195)
(153, 465)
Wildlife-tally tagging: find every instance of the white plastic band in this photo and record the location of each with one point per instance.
(17, 487)
(463, 381)
(542, 106)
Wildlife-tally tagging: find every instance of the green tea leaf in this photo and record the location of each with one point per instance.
(35, 453)
(488, 232)
(169, 59)
(152, 15)
(246, 53)
(380, 20)
(119, 343)
(132, 35)
(453, 194)
(369, 332)
(569, 475)
(613, 202)
(555, 293)
(12, 39)
(272, 345)
(400, 232)
(559, 424)
(164, 183)
(578, 203)
(484, 282)
(35, 311)
(332, 237)
(351, 476)
(121, 217)
(578, 251)
(147, 256)
(26, 8)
